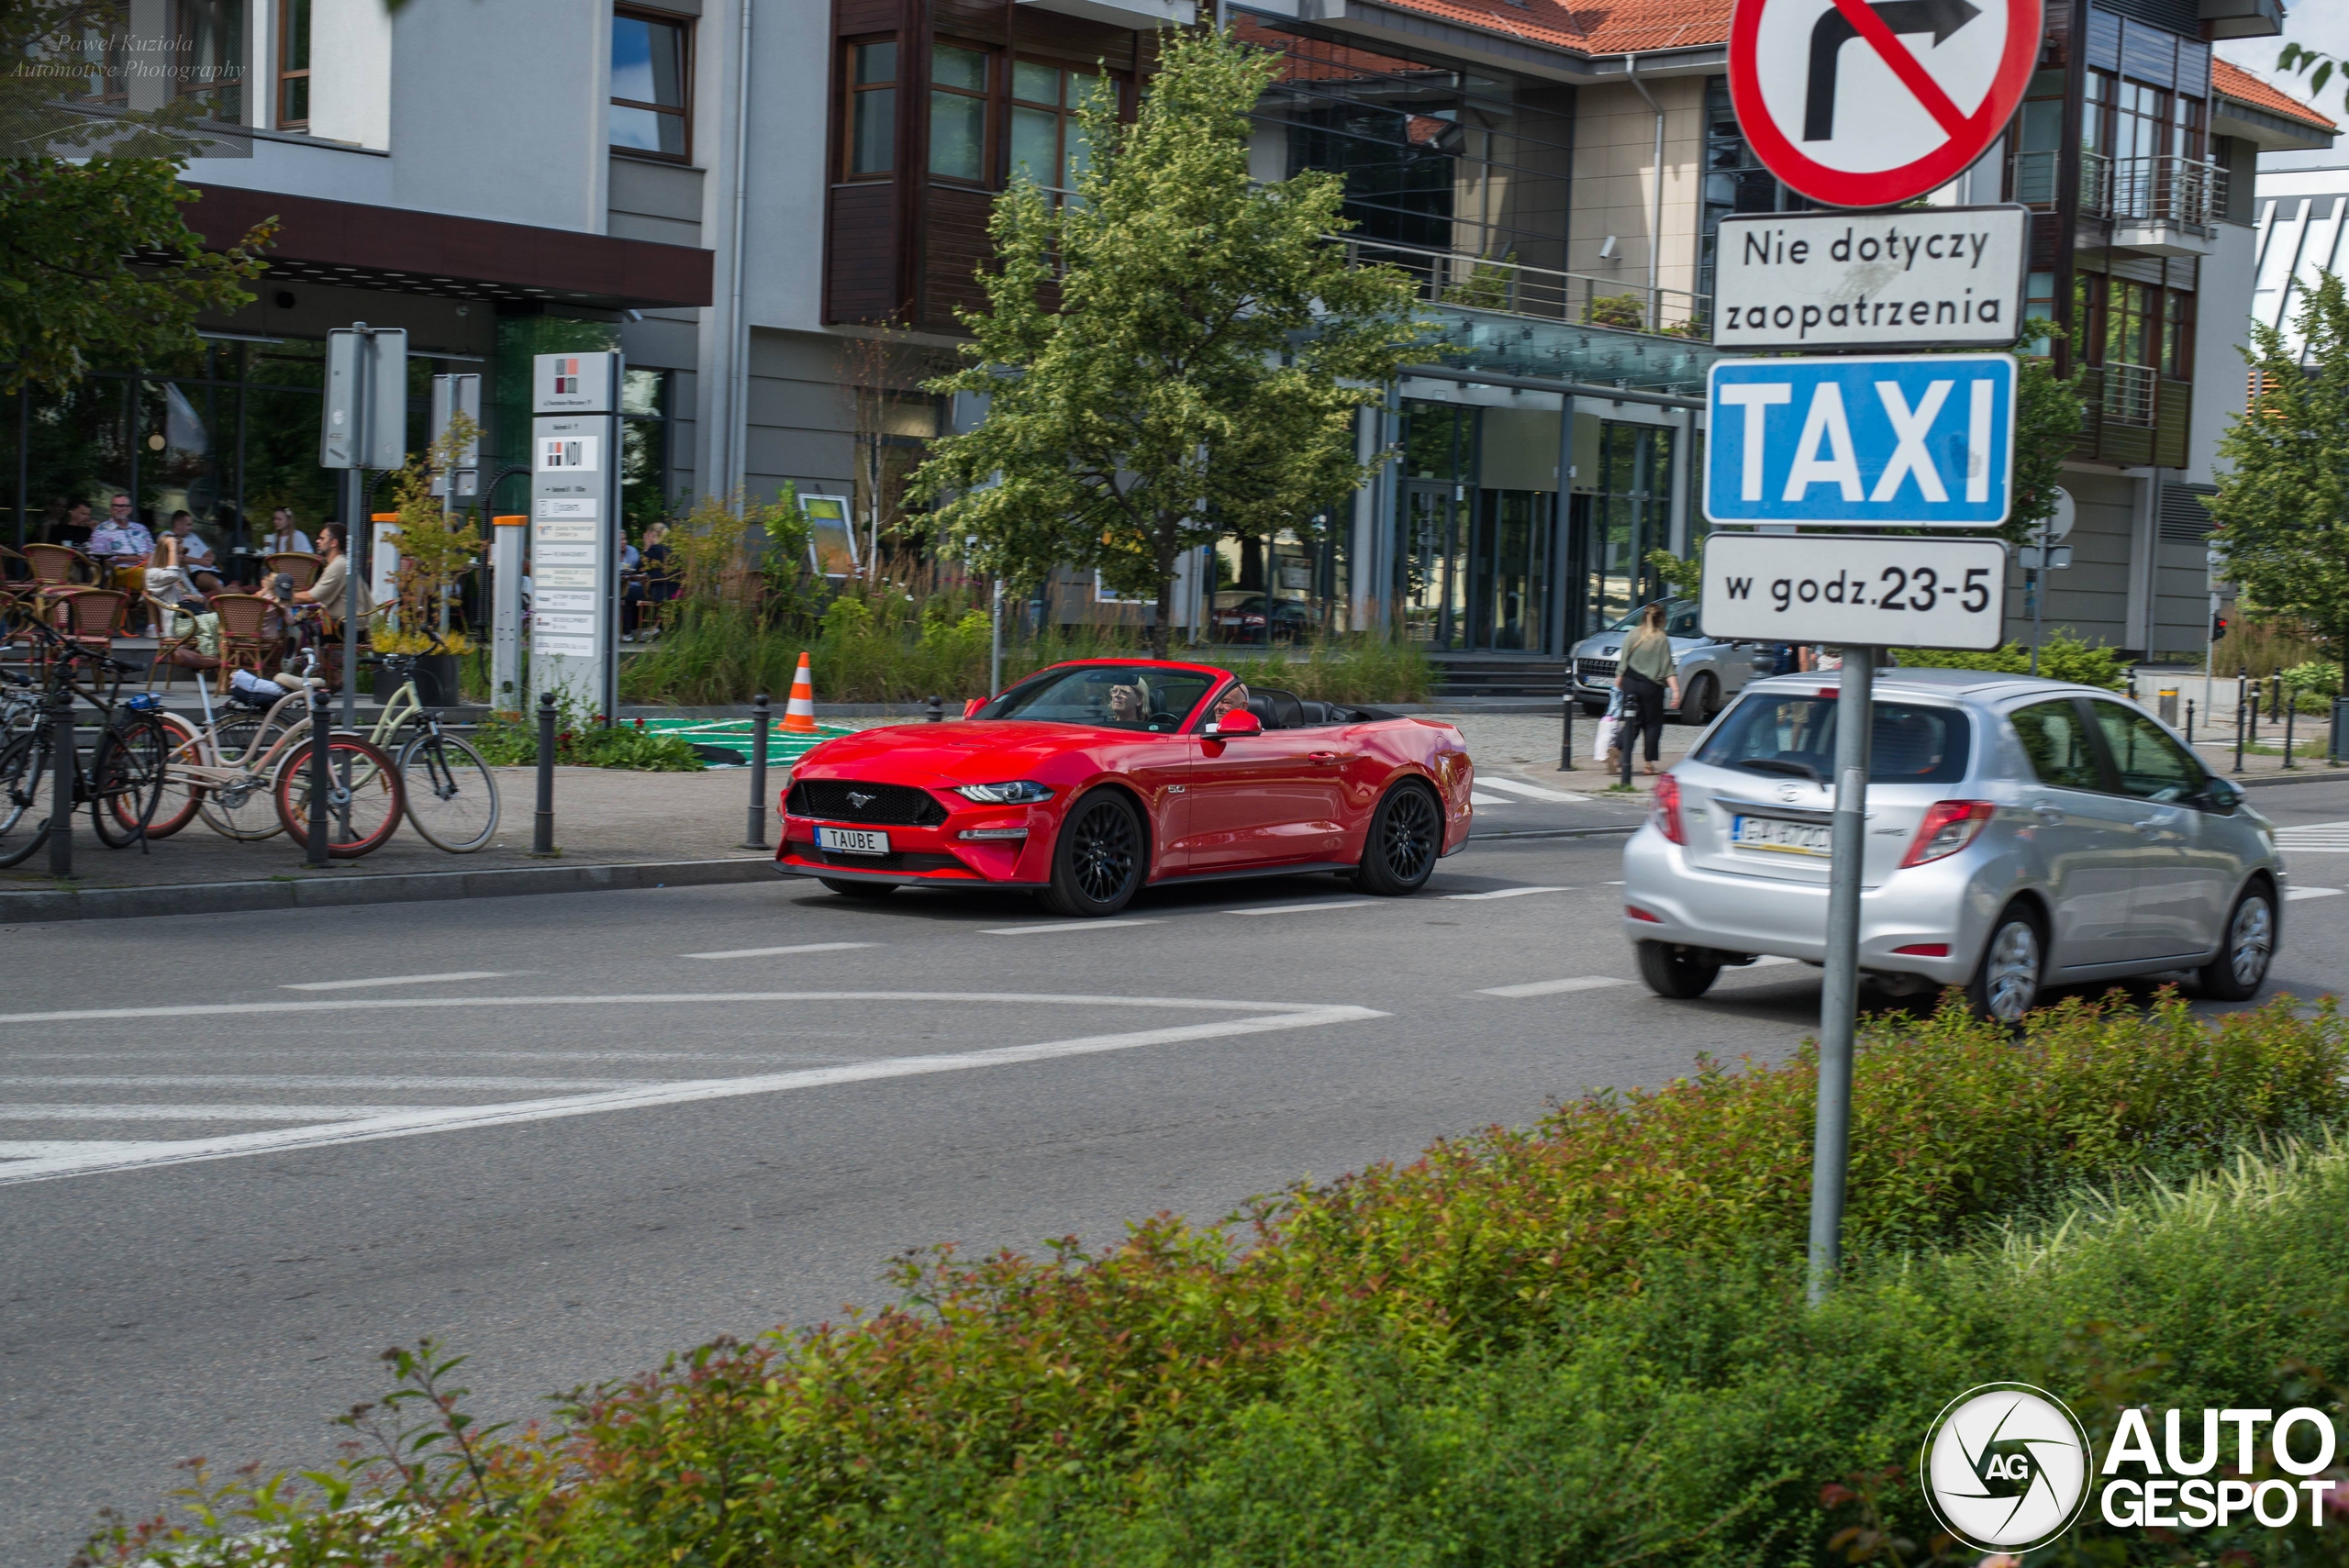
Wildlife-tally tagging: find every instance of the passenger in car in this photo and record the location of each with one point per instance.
(1235, 696)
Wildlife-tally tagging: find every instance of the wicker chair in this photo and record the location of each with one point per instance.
(87, 618)
(252, 633)
(300, 565)
(60, 566)
(174, 651)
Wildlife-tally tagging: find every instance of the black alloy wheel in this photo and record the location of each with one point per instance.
(870, 891)
(1405, 835)
(1681, 973)
(1697, 703)
(1099, 859)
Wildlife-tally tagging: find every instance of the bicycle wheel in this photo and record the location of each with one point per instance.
(245, 808)
(128, 777)
(181, 798)
(364, 800)
(451, 794)
(24, 794)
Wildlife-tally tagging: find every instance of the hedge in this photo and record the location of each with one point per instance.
(1016, 1388)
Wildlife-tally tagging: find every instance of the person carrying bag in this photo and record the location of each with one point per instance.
(1646, 677)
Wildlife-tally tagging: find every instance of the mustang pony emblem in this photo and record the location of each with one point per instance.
(858, 799)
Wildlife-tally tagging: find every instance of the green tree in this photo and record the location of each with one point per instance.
(2047, 423)
(2283, 507)
(97, 264)
(1174, 356)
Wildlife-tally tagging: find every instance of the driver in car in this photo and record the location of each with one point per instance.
(1128, 704)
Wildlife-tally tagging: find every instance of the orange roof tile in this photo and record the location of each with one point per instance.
(2234, 82)
(1590, 27)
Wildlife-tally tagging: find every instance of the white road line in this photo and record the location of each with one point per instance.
(1506, 893)
(50, 1148)
(1531, 791)
(779, 953)
(298, 1082)
(1479, 799)
(40, 1112)
(1060, 925)
(398, 980)
(1267, 1018)
(1553, 987)
(1307, 908)
(2294, 895)
(647, 999)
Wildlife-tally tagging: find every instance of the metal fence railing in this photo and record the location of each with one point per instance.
(2128, 394)
(1479, 283)
(2188, 193)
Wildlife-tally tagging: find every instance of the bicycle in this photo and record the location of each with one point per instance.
(123, 785)
(455, 808)
(237, 762)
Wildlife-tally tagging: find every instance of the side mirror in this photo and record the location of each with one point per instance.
(2221, 795)
(1238, 722)
(974, 706)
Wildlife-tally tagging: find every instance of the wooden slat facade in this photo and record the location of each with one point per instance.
(908, 249)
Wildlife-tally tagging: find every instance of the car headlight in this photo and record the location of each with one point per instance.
(1020, 792)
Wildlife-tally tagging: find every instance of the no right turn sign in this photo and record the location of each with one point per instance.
(1869, 103)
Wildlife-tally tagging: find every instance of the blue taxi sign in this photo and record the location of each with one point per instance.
(1896, 440)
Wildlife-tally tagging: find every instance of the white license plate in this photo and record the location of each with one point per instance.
(1779, 836)
(852, 840)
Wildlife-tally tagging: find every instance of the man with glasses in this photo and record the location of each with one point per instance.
(121, 546)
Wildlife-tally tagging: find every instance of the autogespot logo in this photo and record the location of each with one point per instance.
(2006, 1467)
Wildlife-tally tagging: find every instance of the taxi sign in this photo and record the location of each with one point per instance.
(1894, 441)
(1858, 104)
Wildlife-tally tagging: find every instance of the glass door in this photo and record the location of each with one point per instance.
(1512, 575)
(1433, 566)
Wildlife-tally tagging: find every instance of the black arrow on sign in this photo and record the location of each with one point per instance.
(1938, 17)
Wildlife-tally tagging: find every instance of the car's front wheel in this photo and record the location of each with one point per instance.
(1405, 835)
(1100, 858)
(2235, 975)
(2006, 982)
(1682, 973)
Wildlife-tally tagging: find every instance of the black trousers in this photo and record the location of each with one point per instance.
(1643, 703)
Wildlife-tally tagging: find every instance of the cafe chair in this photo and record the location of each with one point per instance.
(300, 565)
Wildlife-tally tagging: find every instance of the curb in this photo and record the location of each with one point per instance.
(414, 887)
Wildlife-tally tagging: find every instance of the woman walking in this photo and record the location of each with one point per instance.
(1648, 681)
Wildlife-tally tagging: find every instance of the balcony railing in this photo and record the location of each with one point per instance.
(2128, 394)
(2187, 193)
(1448, 277)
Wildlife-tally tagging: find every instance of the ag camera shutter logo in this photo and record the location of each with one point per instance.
(2005, 1467)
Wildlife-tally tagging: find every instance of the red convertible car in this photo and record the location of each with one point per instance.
(1088, 781)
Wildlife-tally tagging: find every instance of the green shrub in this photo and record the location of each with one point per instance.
(1003, 1393)
(2061, 658)
(581, 742)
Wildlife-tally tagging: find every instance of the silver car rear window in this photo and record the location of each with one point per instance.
(1793, 736)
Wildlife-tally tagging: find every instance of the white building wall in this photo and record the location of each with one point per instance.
(351, 72)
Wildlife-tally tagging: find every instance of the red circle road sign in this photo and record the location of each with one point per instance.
(1869, 103)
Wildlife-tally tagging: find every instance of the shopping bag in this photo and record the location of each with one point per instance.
(1603, 740)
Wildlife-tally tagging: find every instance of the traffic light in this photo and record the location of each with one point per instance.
(2218, 626)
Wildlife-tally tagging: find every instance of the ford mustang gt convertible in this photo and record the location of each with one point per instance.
(1089, 781)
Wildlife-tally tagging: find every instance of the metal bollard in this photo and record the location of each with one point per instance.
(65, 757)
(2239, 725)
(2189, 722)
(321, 776)
(2291, 711)
(1624, 729)
(2275, 698)
(542, 829)
(937, 711)
(754, 834)
(1566, 734)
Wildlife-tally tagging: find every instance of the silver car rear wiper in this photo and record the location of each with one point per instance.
(1773, 765)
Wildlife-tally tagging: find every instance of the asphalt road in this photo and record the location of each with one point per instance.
(568, 1135)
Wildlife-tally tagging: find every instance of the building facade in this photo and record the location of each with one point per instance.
(775, 208)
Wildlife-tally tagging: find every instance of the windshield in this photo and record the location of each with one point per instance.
(1794, 737)
(1147, 697)
(1680, 618)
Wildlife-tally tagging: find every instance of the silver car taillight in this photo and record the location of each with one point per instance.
(1949, 826)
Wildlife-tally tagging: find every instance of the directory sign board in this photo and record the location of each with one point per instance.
(1911, 441)
(1849, 590)
(1872, 102)
(1922, 278)
(574, 533)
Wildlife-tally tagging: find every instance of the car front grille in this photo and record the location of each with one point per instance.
(907, 860)
(1594, 669)
(883, 806)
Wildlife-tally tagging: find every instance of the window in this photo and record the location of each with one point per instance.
(2128, 322)
(1735, 180)
(650, 66)
(644, 446)
(293, 64)
(2177, 334)
(1142, 697)
(872, 109)
(1795, 738)
(1048, 145)
(958, 113)
(2056, 742)
(2152, 766)
(209, 38)
(2037, 135)
(2088, 314)
(2039, 304)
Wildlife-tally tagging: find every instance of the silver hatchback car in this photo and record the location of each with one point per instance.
(2021, 833)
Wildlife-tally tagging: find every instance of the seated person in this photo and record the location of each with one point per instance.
(1128, 705)
(196, 556)
(334, 578)
(1235, 696)
(170, 579)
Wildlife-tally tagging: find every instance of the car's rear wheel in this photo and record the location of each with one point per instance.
(1406, 837)
(848, 889)
(1099, 859)
(1683, 973)
(1697, 702)
(2236, 974)
(2006, 982)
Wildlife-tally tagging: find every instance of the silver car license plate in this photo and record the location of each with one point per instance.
(852, 840)
(1778, 835)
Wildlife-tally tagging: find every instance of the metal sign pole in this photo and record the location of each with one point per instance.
(1839, 1001)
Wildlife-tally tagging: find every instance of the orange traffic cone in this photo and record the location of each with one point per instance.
(799, 714)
